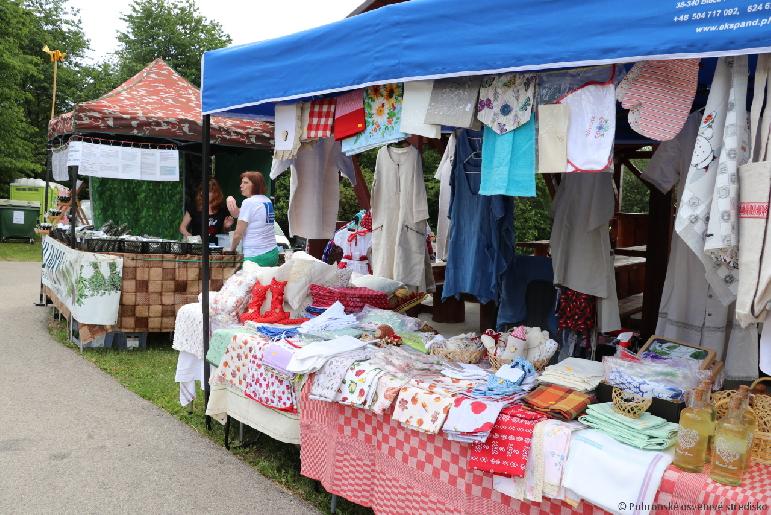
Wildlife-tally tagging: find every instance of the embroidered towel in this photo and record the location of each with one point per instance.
(506, 101)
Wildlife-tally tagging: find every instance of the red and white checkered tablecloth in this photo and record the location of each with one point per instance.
(374, 461)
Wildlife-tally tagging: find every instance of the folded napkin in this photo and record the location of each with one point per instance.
(506, 449)
(646, 432)
(558, 401)
(359, 384)
(327, 381)
(611, 475)
(576, 373)
(422, 410)
(470, 420)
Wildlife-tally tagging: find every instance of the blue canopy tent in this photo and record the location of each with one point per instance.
(441, 38)
(423, 39)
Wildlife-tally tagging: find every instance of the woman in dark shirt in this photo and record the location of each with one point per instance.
(219, 219)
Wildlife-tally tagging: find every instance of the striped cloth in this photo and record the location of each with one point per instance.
(659, 95)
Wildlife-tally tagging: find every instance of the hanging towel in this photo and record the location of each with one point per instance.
(506, 101)
(708, 227)
(453, 102)
(321, 117)
(754, 290)
(288, 118)
(508, 162)
(349, 114)
(417, 95)
(553, 122)
(382, 116)
(591, 128)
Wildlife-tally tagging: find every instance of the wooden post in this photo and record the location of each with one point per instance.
(656, 258)
(360, 189)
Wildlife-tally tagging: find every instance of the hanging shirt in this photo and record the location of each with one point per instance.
(508, 162)
(314, 187)
(356, 245)
(580, 241)
(443, 174)
(690, 311)
(481, 243)
(260, 236)
(400, 217)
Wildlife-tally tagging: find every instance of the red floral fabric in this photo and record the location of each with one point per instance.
(577, 311)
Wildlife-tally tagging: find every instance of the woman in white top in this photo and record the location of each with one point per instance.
(255, 222)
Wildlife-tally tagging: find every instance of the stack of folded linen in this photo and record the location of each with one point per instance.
(647, 432)
(558, 401)
(470, 420)
(576, 373)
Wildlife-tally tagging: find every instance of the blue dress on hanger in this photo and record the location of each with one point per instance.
(481, 242)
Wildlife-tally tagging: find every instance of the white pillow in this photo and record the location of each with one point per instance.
(307, 270)
(377, 283)
(234, 294)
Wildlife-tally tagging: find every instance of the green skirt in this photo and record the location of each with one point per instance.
(269, 258)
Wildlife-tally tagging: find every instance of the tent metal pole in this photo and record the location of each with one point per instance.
(73, 203)
(205, 166)
(42, 301)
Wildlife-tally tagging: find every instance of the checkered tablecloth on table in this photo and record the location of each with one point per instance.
(373, 461)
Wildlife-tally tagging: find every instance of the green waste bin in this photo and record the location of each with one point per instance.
(35, 194)
(18, 219)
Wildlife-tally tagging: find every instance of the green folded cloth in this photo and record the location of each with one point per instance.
(647, 432)
(414, 340)
(219, 342)
(316, 336)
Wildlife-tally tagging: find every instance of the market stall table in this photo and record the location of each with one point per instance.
(374, 461)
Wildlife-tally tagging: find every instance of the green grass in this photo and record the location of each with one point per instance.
(20, 251)
(150, 374)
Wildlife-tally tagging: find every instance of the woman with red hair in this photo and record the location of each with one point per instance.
(219, 220)
(255, 222)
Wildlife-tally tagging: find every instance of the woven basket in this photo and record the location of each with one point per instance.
(629, 404)
(459, 355)
(761, 407)
(496, 363)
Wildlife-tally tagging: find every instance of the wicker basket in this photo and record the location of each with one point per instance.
(629, 404)
(459, 355)
(761, 406)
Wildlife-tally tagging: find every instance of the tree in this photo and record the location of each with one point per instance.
(173, 30)
(17, 151)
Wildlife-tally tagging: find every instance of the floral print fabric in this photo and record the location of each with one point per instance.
(506, 101)
(327, 381)
(268, 386)
(471, 419)
(422, 410)
(359, 384)
(382, 115)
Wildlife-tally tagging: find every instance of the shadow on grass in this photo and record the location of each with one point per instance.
(150, 374)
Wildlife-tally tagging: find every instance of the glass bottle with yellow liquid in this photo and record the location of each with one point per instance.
(729, 457)
(749, 419)
(693, 434)
(707, 385)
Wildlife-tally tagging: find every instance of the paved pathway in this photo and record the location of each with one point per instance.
(72, 440)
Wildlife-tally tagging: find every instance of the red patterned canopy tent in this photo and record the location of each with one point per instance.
(158, 102)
